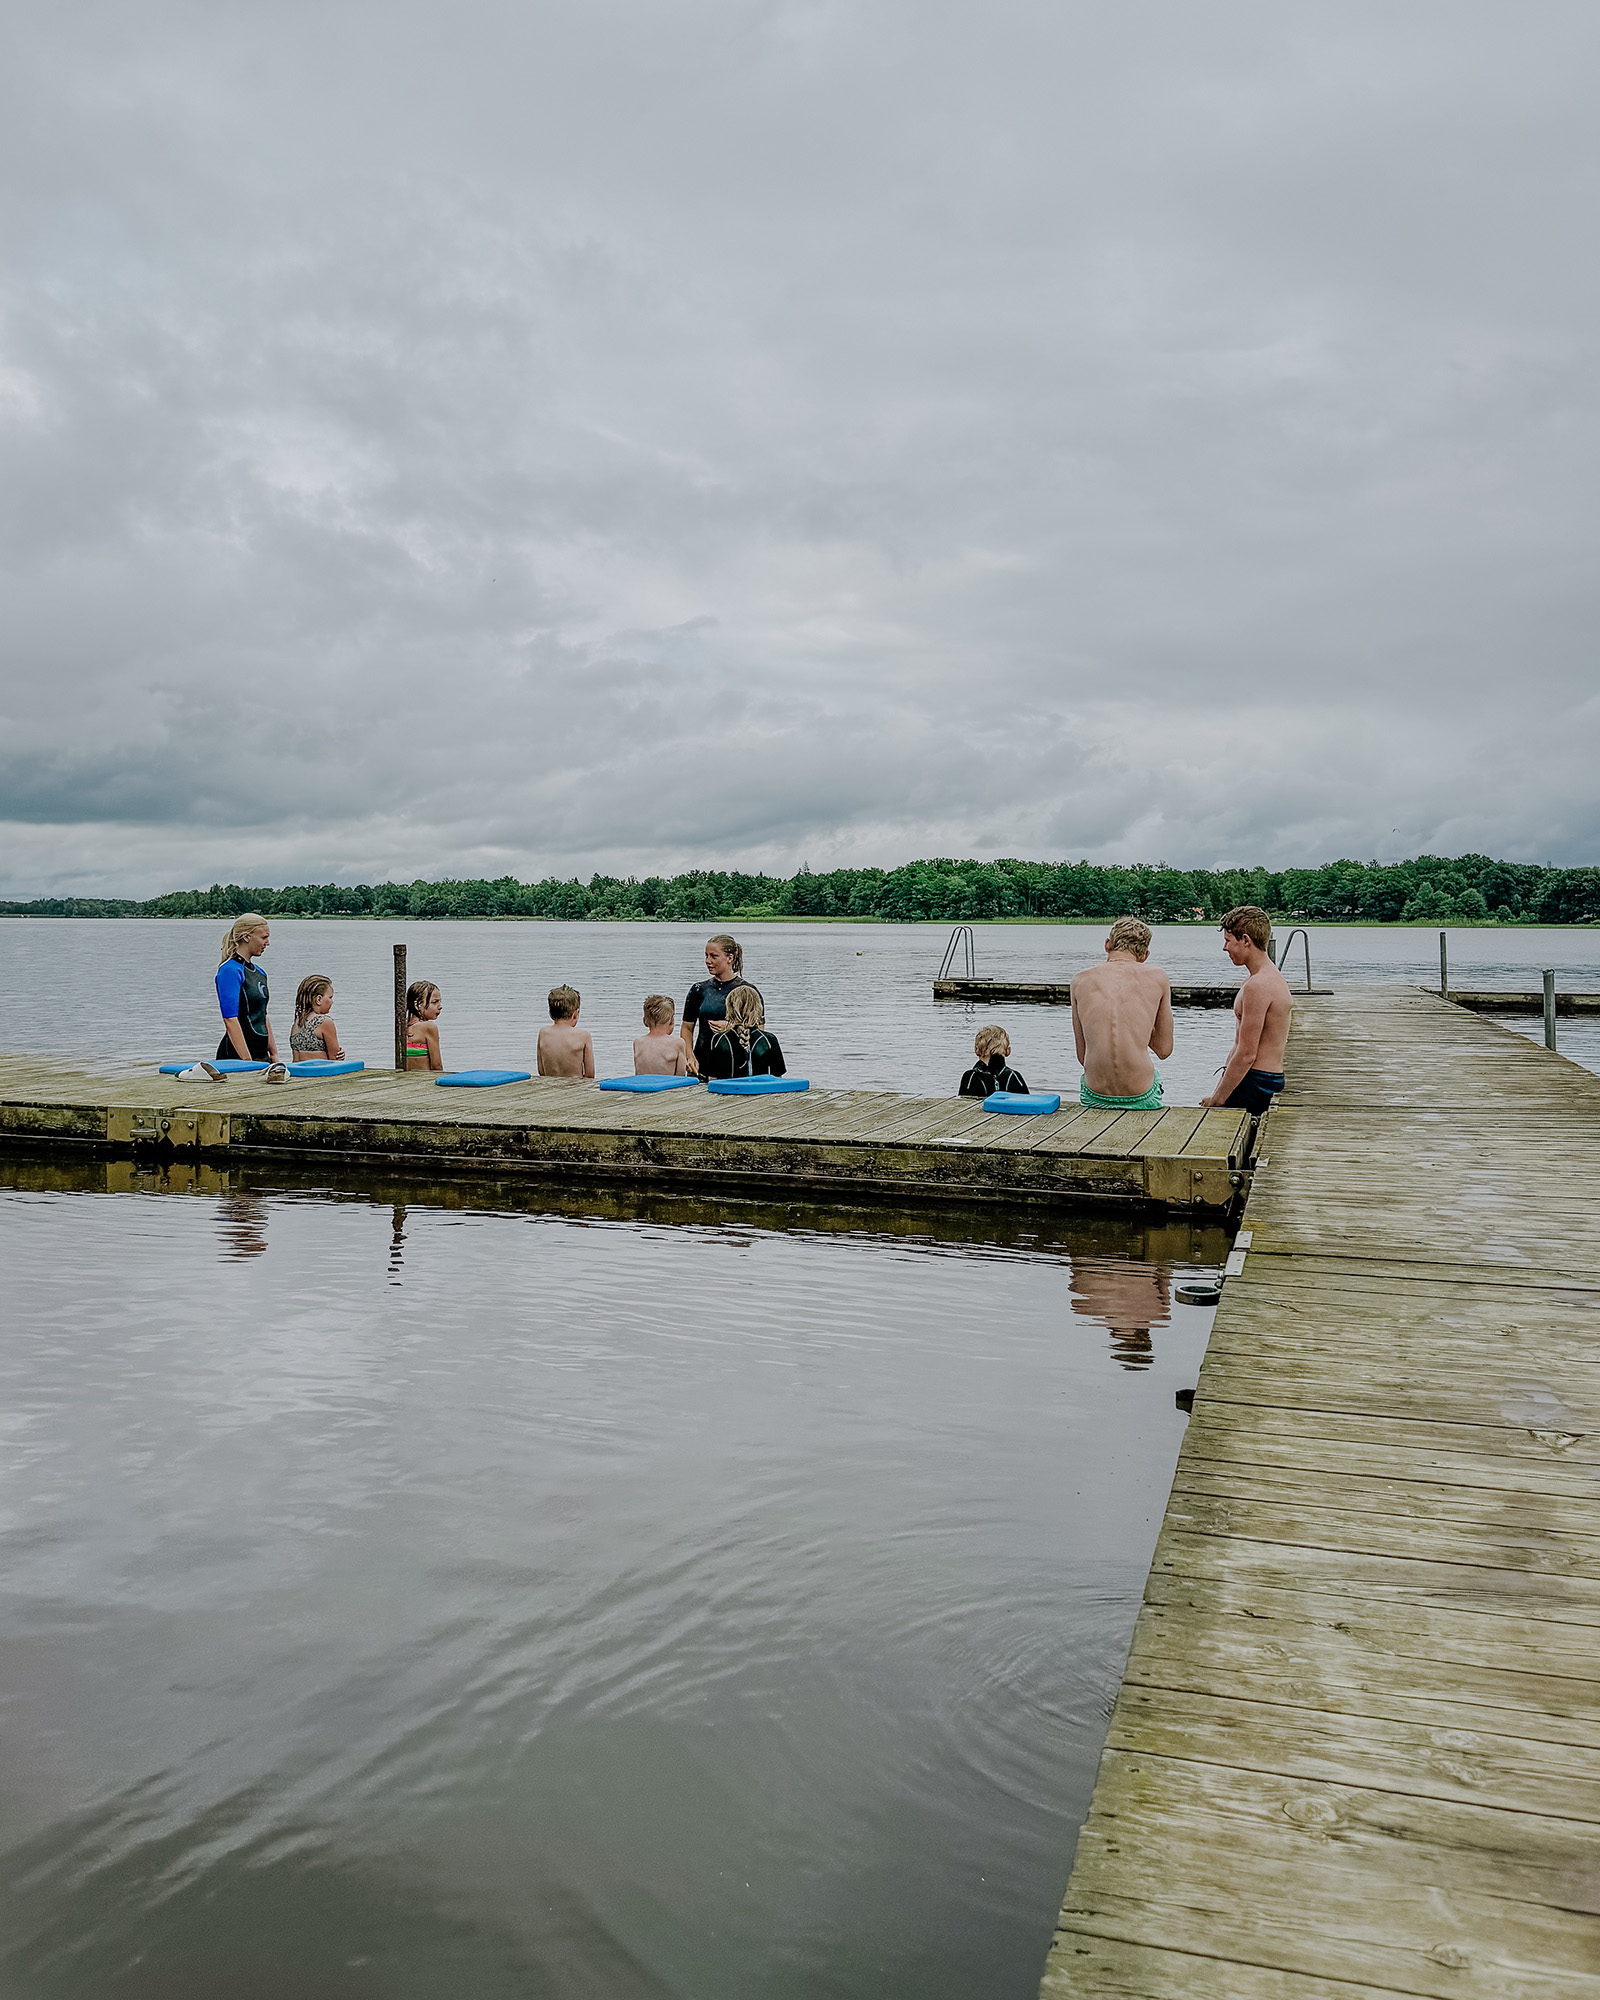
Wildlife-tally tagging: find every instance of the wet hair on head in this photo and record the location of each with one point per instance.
(658, 1010)
(236, 933)
(418, 994)
(1248, 921)
(992, 1041)
(311, 990)
(564, 1002)
(1129, 934)
(745, 1013)
(732, 947)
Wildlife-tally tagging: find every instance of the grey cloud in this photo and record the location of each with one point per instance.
(628, 437)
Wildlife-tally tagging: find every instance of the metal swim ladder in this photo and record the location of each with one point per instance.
(1303, 935)
(961, 934)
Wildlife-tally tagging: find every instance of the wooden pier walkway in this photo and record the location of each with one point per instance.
(843, 1143)
(1356, 1750)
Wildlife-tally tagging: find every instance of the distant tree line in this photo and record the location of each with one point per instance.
(1469, 890)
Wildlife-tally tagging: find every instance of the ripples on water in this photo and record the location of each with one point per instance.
(420, 1592)
(853, 1003)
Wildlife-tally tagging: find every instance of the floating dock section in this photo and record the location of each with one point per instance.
(1356, 1750)
(847, 1144)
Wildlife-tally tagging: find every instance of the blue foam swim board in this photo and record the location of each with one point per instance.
(316, 1069)
(1024, 1104)
(482, 1079)
(230, 1066)
(643, 1083)
(755, 1086)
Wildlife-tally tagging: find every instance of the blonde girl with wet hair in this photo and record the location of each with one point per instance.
(703, 1009)
(424, 1005)
(742, 1046)
(242, 993)
(313, 1037)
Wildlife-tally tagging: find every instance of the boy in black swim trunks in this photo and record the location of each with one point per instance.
(992, 1071)
(1263, 1011)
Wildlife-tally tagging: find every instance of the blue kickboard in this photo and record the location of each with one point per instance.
(1033, 1104)
(316, 1069)
(230, 1066)
(481, 1079)
(648, 1082)
(755, 1086)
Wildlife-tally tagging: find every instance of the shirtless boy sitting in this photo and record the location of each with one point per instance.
(564, 1048)
(1263, 1011)
(658, 1051)
(1121, 1011)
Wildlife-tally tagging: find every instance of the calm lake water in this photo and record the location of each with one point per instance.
(852, 1004)
(465, 1592)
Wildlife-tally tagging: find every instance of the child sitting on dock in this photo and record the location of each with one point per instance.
(992, 1071)
(564, 1048)
(314, 1038)
(741, 1044)
(659, 1051)
(424, 1005)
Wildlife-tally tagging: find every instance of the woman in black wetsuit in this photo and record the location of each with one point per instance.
(707, 1003)
(242, 993)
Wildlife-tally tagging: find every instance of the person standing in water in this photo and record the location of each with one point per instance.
(1121, 1014)
(1263, 1012)
(707, 1004)
(242, 993)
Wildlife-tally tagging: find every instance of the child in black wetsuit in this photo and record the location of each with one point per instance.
(741, 1045)
(992, 1071)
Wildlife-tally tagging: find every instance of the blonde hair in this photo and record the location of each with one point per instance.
(732, 947)
(1129, 934)
(993, 1041)
(744, 1014)
(658, 1010)
(312, 988)
(236, 933)
(564, 1002)
(1248, 921)
(418, 994)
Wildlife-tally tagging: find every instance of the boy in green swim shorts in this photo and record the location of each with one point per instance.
(1121, 1014)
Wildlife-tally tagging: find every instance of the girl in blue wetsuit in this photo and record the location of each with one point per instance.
(242, 993)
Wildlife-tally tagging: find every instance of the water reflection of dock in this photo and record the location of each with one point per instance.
(1357, 1745)
(844, 1144)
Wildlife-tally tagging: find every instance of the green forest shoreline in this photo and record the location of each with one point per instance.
(1469, 890)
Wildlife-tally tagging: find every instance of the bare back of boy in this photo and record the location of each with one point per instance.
(565, 1050)
(1121, 1011)
(660, 1053)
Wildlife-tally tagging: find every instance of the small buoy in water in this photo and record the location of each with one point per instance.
(1206, 1292)
(1184, 1400)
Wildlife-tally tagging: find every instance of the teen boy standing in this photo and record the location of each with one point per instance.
(1263, 1011)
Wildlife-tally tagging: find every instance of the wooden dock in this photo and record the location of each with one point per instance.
(842, 1143)
(1058, 993)
(1356, 1750)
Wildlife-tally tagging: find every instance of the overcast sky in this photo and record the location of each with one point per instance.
(509, 437)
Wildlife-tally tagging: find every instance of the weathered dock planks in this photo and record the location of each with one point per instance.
(1058, 992)
(1357, 1745)
(844, 1143)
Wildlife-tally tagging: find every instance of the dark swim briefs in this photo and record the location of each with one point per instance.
(1256, 1092)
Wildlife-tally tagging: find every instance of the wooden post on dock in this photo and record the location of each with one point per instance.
(1549, 1008)
(1444, 969)
(399, 1006)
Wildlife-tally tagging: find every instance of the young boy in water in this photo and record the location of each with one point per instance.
(659, 1051)
(564, 1048)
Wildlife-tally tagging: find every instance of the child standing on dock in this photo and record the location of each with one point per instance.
(992, 1071)
(424, 1005)
(1263, 1011)
(314, 1038)
(658, 1051)
(564, 1048)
